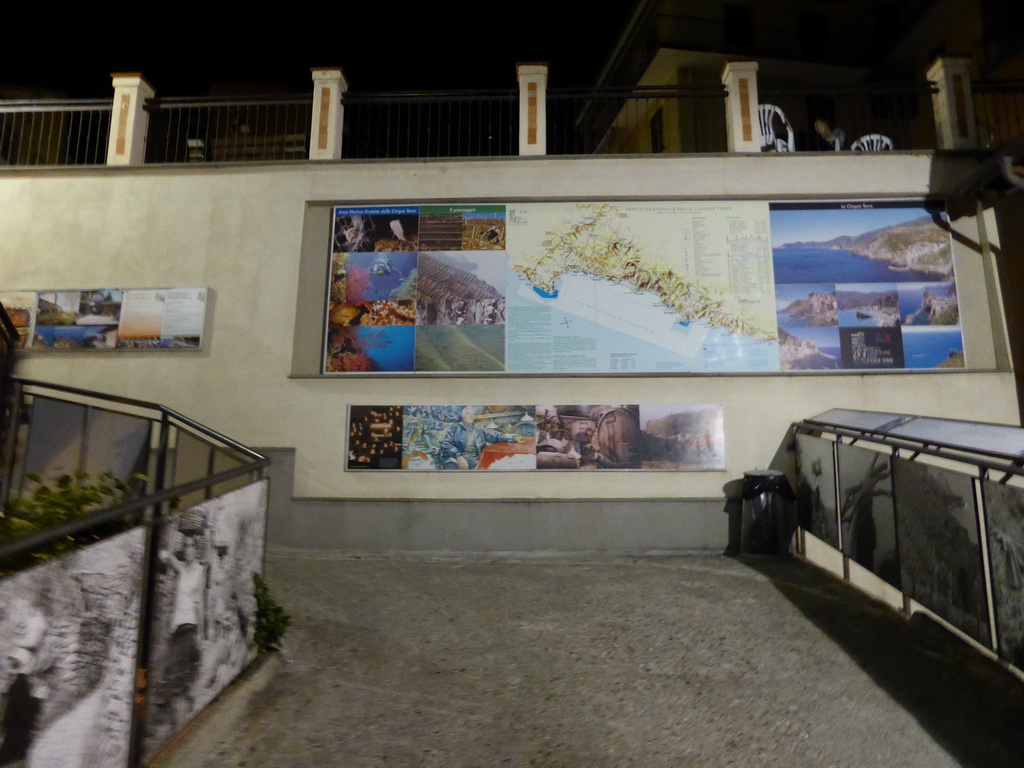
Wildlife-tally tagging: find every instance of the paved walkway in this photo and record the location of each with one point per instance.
(586, 662)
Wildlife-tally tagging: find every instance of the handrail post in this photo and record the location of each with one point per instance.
(743, 134)
(329, 85)
(129, 122)
(953, 103)
(533, 88)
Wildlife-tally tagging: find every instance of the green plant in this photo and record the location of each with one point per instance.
(50, 506)
(271, 620)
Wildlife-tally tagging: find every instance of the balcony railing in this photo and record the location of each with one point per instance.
(228, 130)
(334, 124)
(999, 107)
(430, 124)
(64, 132)
(640, 120)
(902, 112)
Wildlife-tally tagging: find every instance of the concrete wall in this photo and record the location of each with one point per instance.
(258, 237)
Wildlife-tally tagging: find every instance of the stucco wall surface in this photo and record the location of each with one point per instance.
(256, 236)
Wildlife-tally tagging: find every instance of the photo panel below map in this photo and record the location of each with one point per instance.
(589, 437)
(676, 436)
(816, 488)
(1004, 511)
(468, 437)
(867, 516)
(375, 437)
(940, 549)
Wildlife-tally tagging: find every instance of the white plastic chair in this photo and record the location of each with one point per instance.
(766, 114)
(872, 142)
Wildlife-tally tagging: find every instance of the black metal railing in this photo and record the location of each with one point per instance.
(121, 586)
(999, 110)
(430, 124)
(8, 349)
(228, 130)
(52, 132)
(178, 456)
(638, 120)
(930, 506)
(901, 113)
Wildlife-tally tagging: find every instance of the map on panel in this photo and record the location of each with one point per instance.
(640, 287)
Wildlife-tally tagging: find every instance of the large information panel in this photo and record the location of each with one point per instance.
(645, 287)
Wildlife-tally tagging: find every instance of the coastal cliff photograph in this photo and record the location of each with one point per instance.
(809, 349)
(860, 243)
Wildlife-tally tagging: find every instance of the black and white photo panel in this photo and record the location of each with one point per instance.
(940, 549)
(204, 609)
(68, 636)
(1004, 509)
(816, 488)
(867, 519)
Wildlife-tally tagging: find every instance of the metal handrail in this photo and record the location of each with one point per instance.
(226, 101)
(407, 97)
(99, 517)
(55, 105)
(638, 91)
(926, 87)
(162, 409)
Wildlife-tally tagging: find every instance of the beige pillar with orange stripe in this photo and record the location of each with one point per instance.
(329, 85)
(740, 80)
(953, 103)
(533, 88)
(128, 120)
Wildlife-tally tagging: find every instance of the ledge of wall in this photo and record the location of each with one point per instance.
(590, 525)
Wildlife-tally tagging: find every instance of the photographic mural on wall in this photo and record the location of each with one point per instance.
(543, 437)
(940, 550)
(1004, 510)
(865, 285)
(645, 287)
(867, 518)
(68, 633)
(108, 318)
(204, 609)
(815, 488)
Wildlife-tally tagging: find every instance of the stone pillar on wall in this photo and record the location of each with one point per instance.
(953, 104)
(740, 80)
(329, 85)
(129, 122)
(533, 88)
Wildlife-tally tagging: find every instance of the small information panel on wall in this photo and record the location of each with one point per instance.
(680, 437)
(641, 287)
(108, 318)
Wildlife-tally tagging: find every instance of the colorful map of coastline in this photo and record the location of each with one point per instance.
(616, 287)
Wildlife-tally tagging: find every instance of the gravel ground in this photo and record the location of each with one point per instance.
(585, 662)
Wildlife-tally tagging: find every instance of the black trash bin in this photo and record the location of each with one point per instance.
(765, 528)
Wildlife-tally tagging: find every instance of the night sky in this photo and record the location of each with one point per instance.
(184, 48)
